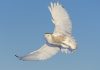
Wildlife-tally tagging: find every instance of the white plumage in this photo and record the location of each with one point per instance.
(60, 18)
(43, 53)
(60, 40)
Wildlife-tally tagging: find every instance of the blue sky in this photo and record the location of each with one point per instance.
(23, 23)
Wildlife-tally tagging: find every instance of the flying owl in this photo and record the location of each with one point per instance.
(60, 40)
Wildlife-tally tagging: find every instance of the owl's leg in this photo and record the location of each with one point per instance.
(67, 48)
(64, 46)
(64, 50)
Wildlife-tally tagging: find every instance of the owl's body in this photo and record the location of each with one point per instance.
(64, 42)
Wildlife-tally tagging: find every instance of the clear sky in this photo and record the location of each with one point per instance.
(23, 23)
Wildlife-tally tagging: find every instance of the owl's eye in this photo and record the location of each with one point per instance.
(47, 34)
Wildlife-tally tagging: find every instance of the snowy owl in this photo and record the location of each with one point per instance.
(60, 40)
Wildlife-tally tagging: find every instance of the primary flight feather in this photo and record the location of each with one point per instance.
(60, 40)
(60, 18)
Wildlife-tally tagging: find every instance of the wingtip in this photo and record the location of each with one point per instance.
(18, 57)
(54, 4)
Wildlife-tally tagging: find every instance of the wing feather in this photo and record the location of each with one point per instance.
(60, 18)
(45, 52)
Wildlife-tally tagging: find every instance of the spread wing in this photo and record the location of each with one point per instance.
(60, 18)
(45, 52)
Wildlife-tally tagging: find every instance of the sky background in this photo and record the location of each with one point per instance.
(24, 22)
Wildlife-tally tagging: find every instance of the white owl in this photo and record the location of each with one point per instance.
(60, 40)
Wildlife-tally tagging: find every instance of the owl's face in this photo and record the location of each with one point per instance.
(48, 37)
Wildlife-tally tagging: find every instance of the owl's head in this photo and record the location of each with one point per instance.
(48, 37)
